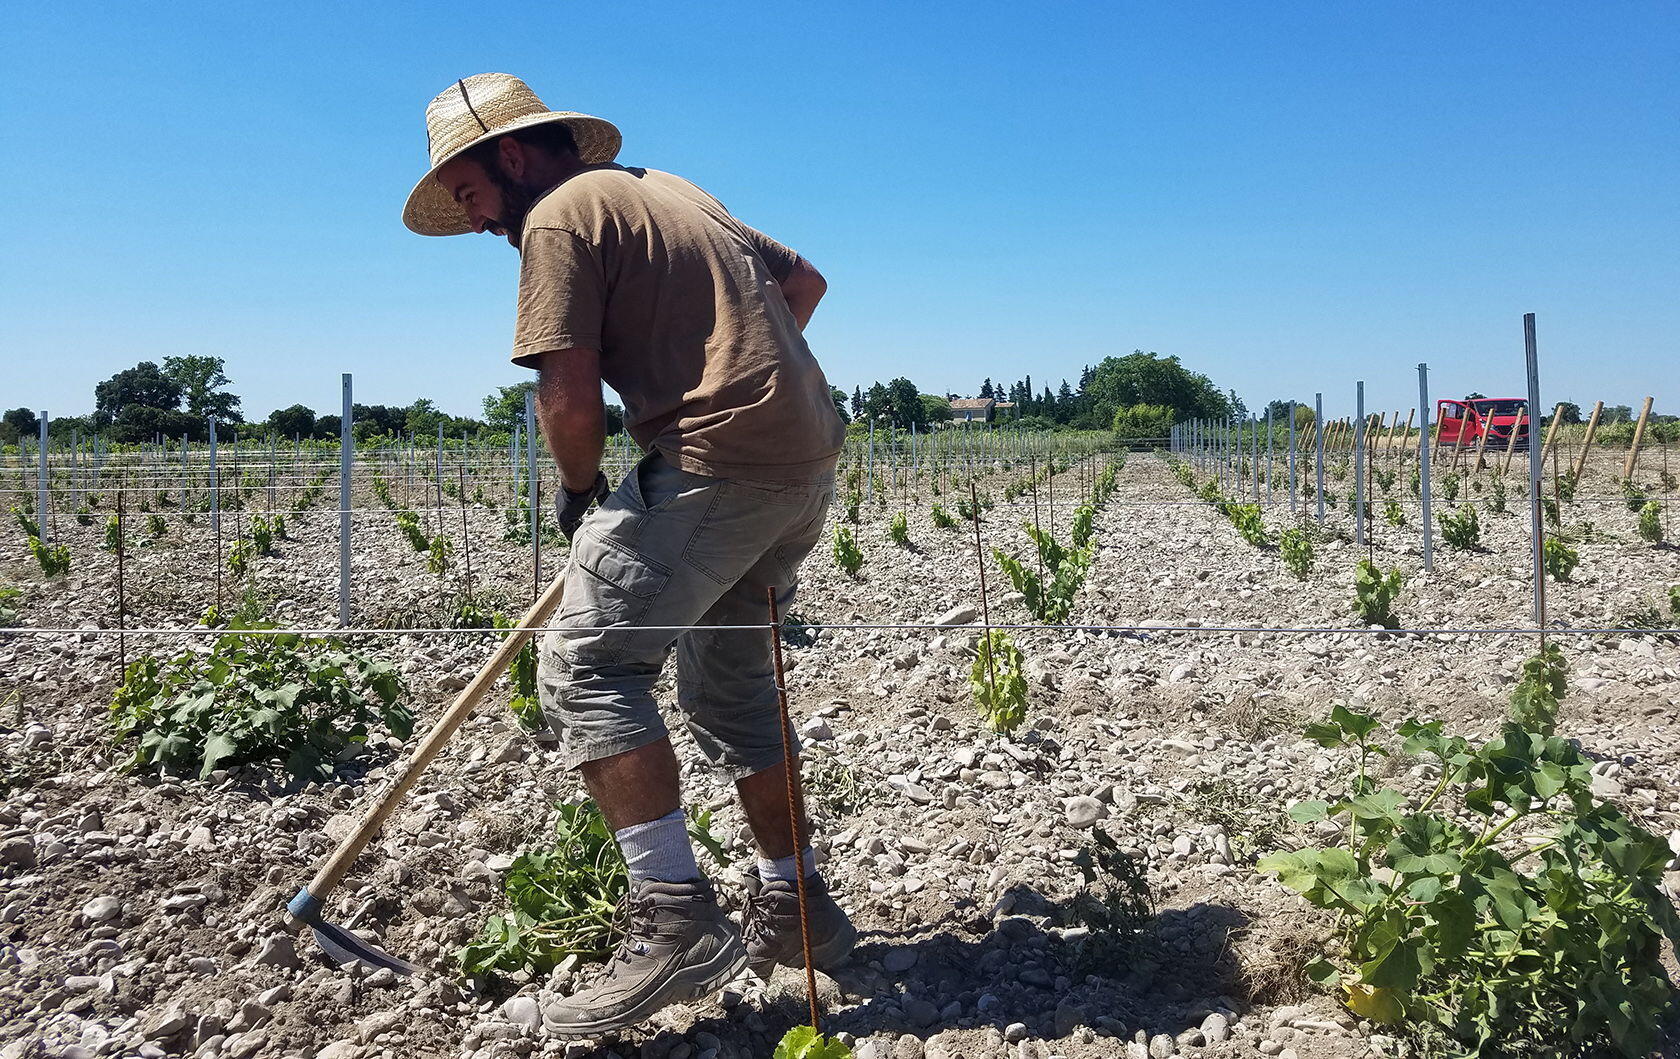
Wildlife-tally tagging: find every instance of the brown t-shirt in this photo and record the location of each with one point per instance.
(684, 305)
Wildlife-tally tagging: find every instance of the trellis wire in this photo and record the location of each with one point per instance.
(1352, 630)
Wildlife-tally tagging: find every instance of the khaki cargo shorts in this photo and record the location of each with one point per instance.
(671, 548)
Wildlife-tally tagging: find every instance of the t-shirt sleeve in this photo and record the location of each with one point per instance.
(779, 259)
(562, 294)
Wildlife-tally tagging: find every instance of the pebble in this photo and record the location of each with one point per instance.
(524, 1012)
(101, 909)
(1216, 1027)
(959, 615)
(18, 852)
(899, 960)
(278, 950)
(1084, 811)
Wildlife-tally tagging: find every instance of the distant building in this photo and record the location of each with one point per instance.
(1003, 409)
(972, 409)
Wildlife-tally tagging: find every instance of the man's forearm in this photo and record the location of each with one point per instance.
(574, 423)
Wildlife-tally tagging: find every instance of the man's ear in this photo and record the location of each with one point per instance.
(511, 154)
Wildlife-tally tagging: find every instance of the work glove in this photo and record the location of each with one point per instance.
(570, 507)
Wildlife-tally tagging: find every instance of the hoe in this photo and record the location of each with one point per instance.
(309, 905)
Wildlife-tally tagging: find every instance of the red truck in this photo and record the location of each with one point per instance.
(1465, 422)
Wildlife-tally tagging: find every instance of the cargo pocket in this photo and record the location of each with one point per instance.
(610, 585)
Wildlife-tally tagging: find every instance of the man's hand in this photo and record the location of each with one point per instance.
(570, 507)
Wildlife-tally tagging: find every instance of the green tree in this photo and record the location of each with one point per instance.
(935, 409)
(1142, 422)
(1617, 413)
(986, 389)
(422, 417)
(203, 382)
(839, 397)
(141, 422)
(144, 384)
(17, 423)
(897, 402)
(1568, 413)
(1149, 378)
(506, 407)
(296, 421)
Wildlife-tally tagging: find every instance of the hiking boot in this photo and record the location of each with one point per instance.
(677, 946)
(770, 925)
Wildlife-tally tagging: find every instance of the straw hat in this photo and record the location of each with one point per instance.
(479, 108)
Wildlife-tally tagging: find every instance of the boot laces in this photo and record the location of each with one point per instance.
(758, 915)
(632, 922)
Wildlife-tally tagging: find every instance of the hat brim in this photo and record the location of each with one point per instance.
(432, 210)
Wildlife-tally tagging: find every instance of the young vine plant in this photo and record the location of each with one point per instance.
(999, 682)
(1470, 946)
(847, 555)
(1297, 551)
(1374, 593)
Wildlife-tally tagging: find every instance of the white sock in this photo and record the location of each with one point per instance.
(781, 869)
(659, 849)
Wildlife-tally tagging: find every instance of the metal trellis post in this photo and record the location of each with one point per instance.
(345, 458)
(1318, 450)
(1531, 353)
(1359, 464)
(1423, 469)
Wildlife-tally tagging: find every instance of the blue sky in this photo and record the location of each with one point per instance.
(1288, 196)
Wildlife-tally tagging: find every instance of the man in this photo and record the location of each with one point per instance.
(640, 279)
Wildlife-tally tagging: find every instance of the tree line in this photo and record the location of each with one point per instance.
(1139, 396)
(180, 398)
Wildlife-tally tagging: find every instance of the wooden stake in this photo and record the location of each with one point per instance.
(1551, 433)
(1638, 439)
(1586, 444)
(1511, 439)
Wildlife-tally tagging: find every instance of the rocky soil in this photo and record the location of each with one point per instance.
(141, 916)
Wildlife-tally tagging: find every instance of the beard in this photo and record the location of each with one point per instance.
(517, 200)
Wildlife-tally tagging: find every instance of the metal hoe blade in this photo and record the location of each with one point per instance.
(340, 944)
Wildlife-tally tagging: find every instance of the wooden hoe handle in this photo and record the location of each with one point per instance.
(334, 870)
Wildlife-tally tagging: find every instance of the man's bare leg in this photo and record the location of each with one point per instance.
(636, 786)
(764, 796)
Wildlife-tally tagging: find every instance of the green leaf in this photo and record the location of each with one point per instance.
(1511, 902)
(700, 830)
(1310, 811)
(1424, 889)
(1396, 965)
(1322, 971)
(1324, 734)
(1358, 725)
(1378, 805)
(399, 719)
(803, 1042)
(1454, 914)
(217, 748)
(305, 762)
